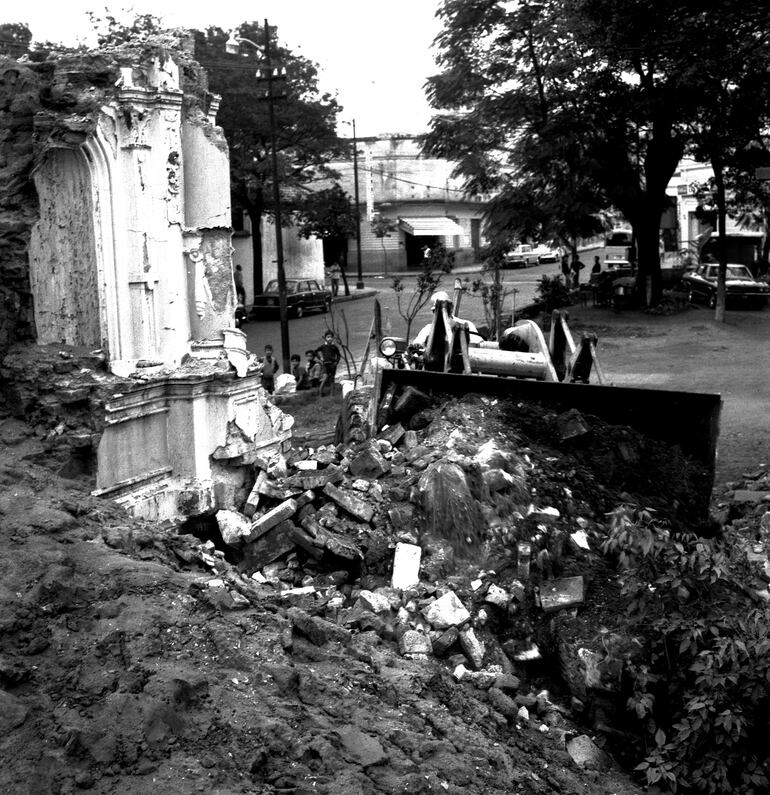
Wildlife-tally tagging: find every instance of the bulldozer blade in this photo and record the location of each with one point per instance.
(687, 419)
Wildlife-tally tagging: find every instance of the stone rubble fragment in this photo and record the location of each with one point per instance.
(497, 596)
(472, 646)
(406, 566)
(271, 519)
(374, 602)
(354, 505)
(561, 593)
(233, 526)
(447, 611)
(586, 754)
(414, 642)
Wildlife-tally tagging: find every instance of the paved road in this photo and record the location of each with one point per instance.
(353, 319)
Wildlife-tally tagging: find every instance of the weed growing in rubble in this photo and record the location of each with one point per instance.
(702, 695)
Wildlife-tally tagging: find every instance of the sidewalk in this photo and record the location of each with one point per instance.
(374, 282)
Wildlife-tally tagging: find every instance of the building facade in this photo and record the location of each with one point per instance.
(408, 202)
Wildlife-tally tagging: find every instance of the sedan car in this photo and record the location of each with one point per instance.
(741, 287)
(302, 295)
(526, 255)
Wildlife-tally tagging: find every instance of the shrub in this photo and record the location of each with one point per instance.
(701, 698)
(552, 293)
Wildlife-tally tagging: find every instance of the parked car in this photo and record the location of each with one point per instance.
(302, 295)
(741, 287)
(526, 255)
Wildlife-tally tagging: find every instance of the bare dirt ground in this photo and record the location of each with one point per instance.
(690, 351)
(119, 675)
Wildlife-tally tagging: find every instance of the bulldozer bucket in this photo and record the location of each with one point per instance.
(689, 420)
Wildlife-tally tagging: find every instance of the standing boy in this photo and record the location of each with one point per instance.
(330, 357)
(270, 367)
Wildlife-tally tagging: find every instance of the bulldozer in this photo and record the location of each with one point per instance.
(555, 373)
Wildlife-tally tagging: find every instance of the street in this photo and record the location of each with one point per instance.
(352, 319)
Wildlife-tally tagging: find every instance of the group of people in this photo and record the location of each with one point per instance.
(318, 371)
(571, 270)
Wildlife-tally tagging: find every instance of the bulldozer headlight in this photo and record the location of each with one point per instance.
(388, 346)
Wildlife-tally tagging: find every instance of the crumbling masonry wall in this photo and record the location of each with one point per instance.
(116, 283)
(19, 102)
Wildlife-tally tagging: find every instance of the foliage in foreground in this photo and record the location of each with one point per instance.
(701, 699)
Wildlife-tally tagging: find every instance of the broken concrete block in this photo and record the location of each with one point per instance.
(448, 611)
(252, 503)
(304, 499)
(270, 546)
(307, 464)
(445, 641)
(361, 485)
(411, 400)
(410, 440)
(586, 754)
(505, 705)
(571, 425)
(392, 433)
(233, 526)
(271, 519)
(316, 480)
(274, 491)
(317, 630)
(369, 463)
(325, 455)
(355, 506)
(374, 602)
(414, 642)
(558, 594)
(406, 566)
(472, 646)
(497, 596)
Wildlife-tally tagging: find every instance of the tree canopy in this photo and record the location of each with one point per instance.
(582, 104)
(304, 122)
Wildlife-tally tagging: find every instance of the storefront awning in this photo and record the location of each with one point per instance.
(431, 225)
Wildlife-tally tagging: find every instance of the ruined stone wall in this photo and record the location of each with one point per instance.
(19, 101)
(65, 204)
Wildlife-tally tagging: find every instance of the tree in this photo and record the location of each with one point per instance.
(328, 215)
(382, 227)
(305, 124)
(438, 263)
(610, 89)
(725, 136)
(14, 39)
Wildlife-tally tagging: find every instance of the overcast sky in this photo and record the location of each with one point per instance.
(375, 54)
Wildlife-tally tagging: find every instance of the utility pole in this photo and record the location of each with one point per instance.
(282, 307)
(360, 278)
(269, 76)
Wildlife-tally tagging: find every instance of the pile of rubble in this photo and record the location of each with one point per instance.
(471, 539)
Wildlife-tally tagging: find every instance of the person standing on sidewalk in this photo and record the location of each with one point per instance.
(240, 291)
(334, 275)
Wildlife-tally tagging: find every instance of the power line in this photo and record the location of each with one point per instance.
(410, 182)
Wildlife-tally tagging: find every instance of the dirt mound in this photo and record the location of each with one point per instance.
(138, 658)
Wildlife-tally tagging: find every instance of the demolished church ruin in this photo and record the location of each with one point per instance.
(116, 335)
